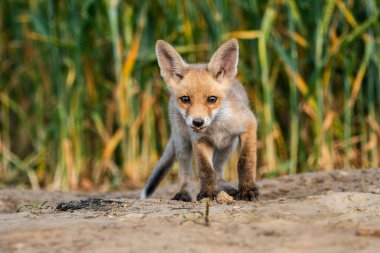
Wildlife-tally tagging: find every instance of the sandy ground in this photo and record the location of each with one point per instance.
(337, 211)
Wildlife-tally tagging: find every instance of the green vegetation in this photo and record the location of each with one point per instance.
(82, 104)
(38, 206)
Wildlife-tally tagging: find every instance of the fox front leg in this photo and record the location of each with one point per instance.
(247, 189)
(183, 153)
(203, 153)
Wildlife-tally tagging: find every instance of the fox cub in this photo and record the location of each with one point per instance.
(209, 115)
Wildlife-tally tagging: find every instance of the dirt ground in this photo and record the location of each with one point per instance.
(337, 211)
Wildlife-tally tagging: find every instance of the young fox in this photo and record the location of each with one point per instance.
(209, 114)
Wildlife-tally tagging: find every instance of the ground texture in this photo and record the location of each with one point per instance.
(337, 211)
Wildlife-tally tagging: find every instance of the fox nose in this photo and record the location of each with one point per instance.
(198, 122)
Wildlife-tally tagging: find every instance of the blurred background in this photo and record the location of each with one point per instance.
(83, 107)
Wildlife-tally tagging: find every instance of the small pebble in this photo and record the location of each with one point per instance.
(368, 231)
(224, 198)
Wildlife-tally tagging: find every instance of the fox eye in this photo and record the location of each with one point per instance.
(185, 99)
(178, 75)
(212, 99)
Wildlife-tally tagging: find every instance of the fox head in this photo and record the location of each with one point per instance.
(199, 89)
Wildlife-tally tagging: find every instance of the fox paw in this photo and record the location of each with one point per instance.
(224, 186)
(207, 194)
(182, 196)
(250, 193)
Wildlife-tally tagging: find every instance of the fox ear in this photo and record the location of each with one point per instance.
(223, 63)
(171, 63)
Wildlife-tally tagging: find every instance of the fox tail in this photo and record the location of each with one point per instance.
(163, 166)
